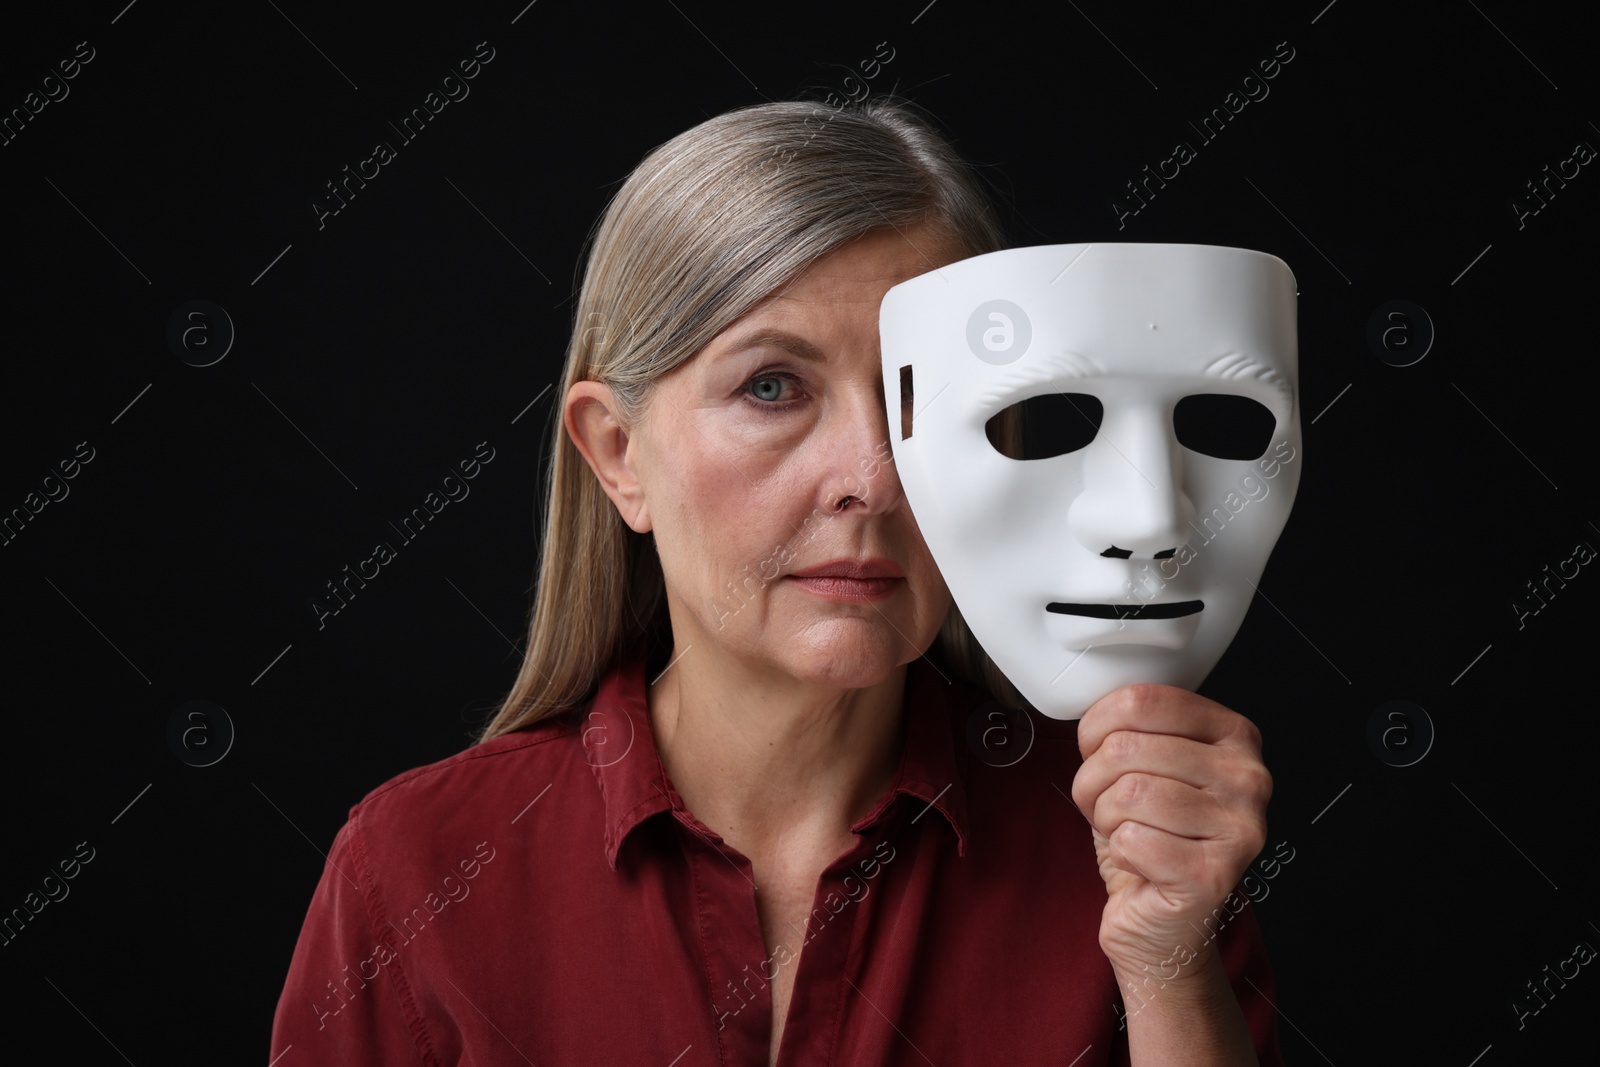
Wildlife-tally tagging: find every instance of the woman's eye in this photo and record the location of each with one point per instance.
(768, 388)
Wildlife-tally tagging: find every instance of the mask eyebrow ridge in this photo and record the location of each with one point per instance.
(1237, 365)
(1064, 365)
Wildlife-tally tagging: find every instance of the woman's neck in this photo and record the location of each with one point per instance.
(768, 761)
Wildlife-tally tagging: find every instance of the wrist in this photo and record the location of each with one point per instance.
(1193, 1018)
(1165, 958)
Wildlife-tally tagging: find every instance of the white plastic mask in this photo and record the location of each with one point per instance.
(1133, 554)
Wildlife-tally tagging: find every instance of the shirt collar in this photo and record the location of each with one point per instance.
(620, 747)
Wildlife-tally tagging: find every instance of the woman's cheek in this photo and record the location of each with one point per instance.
(749, 429)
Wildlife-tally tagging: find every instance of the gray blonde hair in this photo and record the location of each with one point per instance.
(707, 226)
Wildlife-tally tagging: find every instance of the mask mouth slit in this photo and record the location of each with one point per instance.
(1174, 610)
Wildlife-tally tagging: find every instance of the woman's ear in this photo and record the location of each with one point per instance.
(593, 422)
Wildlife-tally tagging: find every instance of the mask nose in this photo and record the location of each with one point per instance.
(1133, 505)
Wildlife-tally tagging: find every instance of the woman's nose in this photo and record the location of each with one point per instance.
(860, 463)
(1133, 504)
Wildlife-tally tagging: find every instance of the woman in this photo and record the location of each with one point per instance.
(728, 813)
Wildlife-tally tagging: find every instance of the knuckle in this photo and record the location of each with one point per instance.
(1130, 789)
(1258, 784)
(1120, 746)
(1122, 836)
(1250, 733)
(1255, 839)
(1141, 695)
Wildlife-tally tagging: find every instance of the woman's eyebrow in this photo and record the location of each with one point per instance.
(794, 344)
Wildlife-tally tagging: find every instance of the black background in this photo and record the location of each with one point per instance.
(432, 312)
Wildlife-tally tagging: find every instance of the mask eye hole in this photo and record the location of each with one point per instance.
(1224, 425)
(1045, 426)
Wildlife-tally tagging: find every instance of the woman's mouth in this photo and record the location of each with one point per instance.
(836, 587)
(852, 579)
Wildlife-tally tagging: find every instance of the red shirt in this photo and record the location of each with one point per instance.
(546, 898)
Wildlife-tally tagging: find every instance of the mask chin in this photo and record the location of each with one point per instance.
(1119, 536)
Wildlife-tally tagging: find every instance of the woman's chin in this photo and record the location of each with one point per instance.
(845, 657)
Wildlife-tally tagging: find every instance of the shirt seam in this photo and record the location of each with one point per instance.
(853, 950)
(378, 919)
(452, 761)
(700, 930)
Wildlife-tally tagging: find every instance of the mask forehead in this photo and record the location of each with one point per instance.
(991, 327)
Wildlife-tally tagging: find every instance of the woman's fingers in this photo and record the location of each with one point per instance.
(1164, 709)
(1176, 792)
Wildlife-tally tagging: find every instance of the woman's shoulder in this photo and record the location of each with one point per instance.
(469, 795)
(509, 755)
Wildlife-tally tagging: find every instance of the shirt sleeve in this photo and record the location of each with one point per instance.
(346, 1001)
(1244, 957)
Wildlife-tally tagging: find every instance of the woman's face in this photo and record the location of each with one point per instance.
(742, 458)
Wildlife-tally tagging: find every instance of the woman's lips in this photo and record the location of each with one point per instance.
(834, 587)
(851, 579)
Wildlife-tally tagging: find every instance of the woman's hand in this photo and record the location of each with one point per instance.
(1176, 792)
